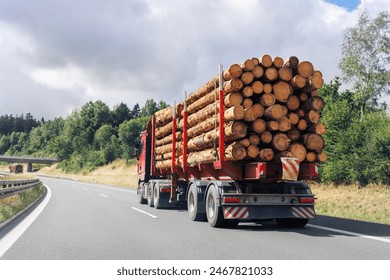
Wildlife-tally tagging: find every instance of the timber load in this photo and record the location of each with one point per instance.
(271, 109)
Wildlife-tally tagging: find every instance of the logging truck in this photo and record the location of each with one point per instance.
(229, 162)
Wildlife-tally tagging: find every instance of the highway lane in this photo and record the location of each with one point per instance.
(90, 221)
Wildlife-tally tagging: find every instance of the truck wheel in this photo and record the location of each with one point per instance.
(156, 196)
(141, 199)
(292, 222)
(213, 211)
(150, 194)
(192, 205)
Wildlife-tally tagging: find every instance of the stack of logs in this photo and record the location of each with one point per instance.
(271, 111)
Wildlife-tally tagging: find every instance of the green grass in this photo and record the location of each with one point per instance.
(12, 205)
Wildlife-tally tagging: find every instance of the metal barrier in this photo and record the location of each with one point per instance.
(8, 187)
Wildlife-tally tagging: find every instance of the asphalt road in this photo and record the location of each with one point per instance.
(89, 221)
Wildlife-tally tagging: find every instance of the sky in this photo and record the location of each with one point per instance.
(57, 55)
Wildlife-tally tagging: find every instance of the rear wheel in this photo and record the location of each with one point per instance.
(150, 194)
(192, 205)
(156, 196)
(213, 210)
(140, 191)
(292, 222)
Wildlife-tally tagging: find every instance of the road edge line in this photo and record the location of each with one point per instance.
(13, 235)
(351, 233)
(146, 213)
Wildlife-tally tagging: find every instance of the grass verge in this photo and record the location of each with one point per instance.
(12, 205)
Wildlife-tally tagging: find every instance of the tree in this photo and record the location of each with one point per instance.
(119, 114)
(149, 108)
(365, 59)
(135, 112)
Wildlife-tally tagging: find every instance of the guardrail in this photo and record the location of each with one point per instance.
(8, 187)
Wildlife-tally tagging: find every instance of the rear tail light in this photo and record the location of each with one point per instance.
(231, 199)
(165, 190)
(306, 200)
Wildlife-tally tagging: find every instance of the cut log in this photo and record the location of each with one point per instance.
(164, 131)
(168, 139)
(247, 78)
(234, 71)
(292, 62)
(266, 137)
(293, 103)
(314, 103)
(278, 62)
(254, 139)
(305, 69)
(244, 142)
(250, 114)
(285, 74)
(247, 91)
(298, 150)
(298, 82)
(322, 157)
(275, 112)
(234, 113)
(233, 99)
(314, 82)
(267, 99)
(258, 125)
(167, 148)
(294, 134)
(258, 72)
(302, 124)
(235, 152)
(284, 124)
(165, 164)
(207, 112)
(204, 156)
(267, 88)
(258, 109)
(271, 74)
(252, 151)
(313, 142)
(272, 126)
(312, 116)
(257, 87)
(301, 113)
(202, 91)
(266, 60)
(294, 118)
(247, 103)
(255, 61)
(311, 156)
(203, 101)
(282, 91)
(303, 96)
(234, 84)
(318, 128)
(248, 65)
(164, 116)
(314, 93)
(281, 142)
(266, 154)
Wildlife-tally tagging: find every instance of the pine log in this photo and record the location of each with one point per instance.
(267, 88)
(314, 93)
(245, 142)
(285, 74)
(313, 142)
(305, 69)
(258, 125)
(164, 116)
(293, 103)
(168, 139)
(298, 82)
(272, 126)
(234, 113)
(314, 103)
(201, 115)
(211, 97)
(294, 118)
(234, 71)
(233, 99)
(247, 91)
(294, 134)
(275, 112)
(165, 164)
(248, 65)
(255, 61)
(267, 99)
(266, 137)
(318, 128)
(235, 152)
(284, 124)
(202, 127)
(302, 124)
(163, 131)
(203, 90)
(301, 113)
(312, 116)
(247, 103)
(254, 139)
(303, 96)
(311, 156)
(298, 150)
(314, 82)
(278, 62)
(282, 91)
(247, 78)
(322, 157)
(167, 148)
(266, 60)
(292, 62)
(258, 72)
(252, 151)
(271, 74)
(204, 156)
(258, 109)
(250, 114)
(234, 84)
(266, 154)
(257, 87)
(281, 142)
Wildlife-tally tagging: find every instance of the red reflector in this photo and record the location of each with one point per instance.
(165, 190)
(231, 199)
(306, 200)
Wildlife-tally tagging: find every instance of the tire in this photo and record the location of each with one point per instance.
(156, 196)
(213, 211)
(192, 205)
(291, 223)
(150, 194)
(141, 199)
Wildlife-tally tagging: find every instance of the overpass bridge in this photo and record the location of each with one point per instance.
(28, 160)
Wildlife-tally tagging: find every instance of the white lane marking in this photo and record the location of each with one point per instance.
(103, 195)
(85, 189)
(11, 237)
(146, 213)
(351, 233)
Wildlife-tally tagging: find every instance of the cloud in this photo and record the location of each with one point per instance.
(56, 55)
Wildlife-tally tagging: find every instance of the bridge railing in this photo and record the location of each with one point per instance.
(8, 187)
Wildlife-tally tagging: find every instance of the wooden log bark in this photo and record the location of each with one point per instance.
(164, 116)
(266, 154)
(292, 62)
(313, 142)
(256, 61)
(280, 141)
(211, 97)
(233, 99)
(298, 150)
(168, 139)
(203, 90)
(167, 148)
(275, 112)
(234, 84)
